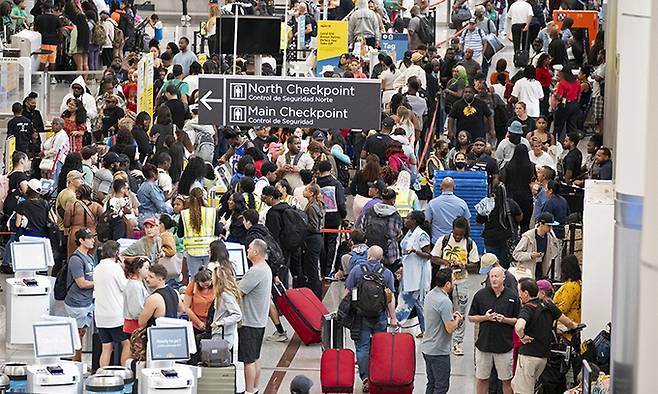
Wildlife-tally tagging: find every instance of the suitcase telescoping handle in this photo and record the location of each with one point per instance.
(280, 289)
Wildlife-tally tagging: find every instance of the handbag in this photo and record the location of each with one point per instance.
(522, 56)
(138, 343)
(46, 164)
(460, 16)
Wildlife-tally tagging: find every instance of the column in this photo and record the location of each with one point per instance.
(632, 33)
(648, 316)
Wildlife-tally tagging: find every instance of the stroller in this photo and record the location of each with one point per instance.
(141, 38)
(565, 355)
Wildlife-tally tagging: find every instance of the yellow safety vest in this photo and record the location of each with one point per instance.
(197, 243)
(404, 204)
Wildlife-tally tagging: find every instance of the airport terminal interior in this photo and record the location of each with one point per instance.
(325, 196)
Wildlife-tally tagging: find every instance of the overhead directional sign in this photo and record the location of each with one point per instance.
(290, 102)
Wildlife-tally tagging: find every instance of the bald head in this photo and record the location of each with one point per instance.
(497, 278)
(375, 253)
(448, 185)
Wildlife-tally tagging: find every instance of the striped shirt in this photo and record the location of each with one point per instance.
(473, 39)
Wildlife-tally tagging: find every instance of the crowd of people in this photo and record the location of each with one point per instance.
(182, 190)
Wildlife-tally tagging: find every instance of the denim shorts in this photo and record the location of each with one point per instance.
(83, 315)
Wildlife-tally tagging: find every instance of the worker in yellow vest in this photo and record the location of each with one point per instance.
(406, 199)
(199, 225)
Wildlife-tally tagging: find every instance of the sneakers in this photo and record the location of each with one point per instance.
(277, 337)
(366, 389)
(331, 277)
(457, 349)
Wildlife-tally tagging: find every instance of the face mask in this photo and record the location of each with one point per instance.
(460, 164)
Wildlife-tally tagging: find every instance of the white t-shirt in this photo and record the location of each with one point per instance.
(519, 12)
(109, 284)
(457, 251)
(529, 92)
(544, 160)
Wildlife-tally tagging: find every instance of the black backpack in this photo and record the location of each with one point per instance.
(377, 232)
(371, 296)
(295, 224)
(275, 257)
(426, 32)
(61, 288)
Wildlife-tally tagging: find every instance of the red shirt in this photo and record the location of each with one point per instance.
(568, 90)
(543, 75)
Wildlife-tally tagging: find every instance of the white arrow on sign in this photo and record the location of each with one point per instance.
(205, 100)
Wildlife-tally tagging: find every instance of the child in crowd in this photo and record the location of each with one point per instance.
(156, 24)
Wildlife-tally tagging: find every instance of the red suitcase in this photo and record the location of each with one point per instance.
(392, 363)
(304, 312)
(337, 371)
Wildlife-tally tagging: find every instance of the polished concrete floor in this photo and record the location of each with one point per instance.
(282, 361)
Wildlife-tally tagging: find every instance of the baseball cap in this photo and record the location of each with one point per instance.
(416, 57)
(389, 194)
(544, 285)
(73, 174)
(378, 184)
(300, 385)
(487, 262)
(547, 218)
(472, 20)
(516, 128)
(327, 68)
(84, 233)
(151, 222)
(35, 185)
(388, 122)
(318, 135)
(110, 158)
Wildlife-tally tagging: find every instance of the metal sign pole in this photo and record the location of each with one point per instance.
(284, 63)
(235, 41)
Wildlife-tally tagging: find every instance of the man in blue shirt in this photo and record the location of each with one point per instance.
(444, 209)
(556, 205)
(605, 164)
(371, 326)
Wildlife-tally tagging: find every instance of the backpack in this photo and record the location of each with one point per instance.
(275, 258)
(426, 32)
(98, 35)
(371, 296)
(138, 340)
(106, 224)
(295, 224)
(377, 232)
(60, 289)
(118, 38)
(204, 146)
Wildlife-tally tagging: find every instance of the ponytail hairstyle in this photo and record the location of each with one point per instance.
(390, 64)
(202, 276)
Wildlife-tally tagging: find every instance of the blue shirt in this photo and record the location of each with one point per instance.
(540, 199)
(557, 205)
(151, 199)
(442, 211)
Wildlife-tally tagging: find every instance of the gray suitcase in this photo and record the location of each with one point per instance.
(220, 380)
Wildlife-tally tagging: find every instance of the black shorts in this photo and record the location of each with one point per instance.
(250, 340)
(112, 335)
